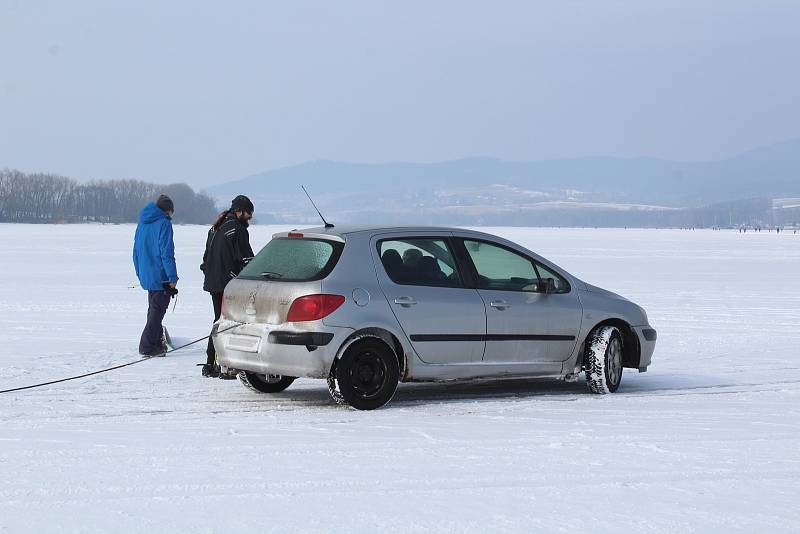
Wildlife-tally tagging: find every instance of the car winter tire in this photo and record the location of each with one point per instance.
(603, 360)
(367, 374)
(333, 386)
(265, 383)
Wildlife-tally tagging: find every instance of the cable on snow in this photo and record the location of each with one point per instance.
(144, 359)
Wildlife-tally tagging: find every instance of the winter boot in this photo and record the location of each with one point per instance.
(228, 375)
(210, 371)
(166, 340)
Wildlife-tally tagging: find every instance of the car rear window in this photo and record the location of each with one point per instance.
(288, 259)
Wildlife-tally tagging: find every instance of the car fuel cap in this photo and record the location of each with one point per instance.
(361, 296)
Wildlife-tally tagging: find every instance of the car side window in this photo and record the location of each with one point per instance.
(501, 269)
(560, 284)
(419, 261)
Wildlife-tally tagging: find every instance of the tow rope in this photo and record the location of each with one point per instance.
(140, 360)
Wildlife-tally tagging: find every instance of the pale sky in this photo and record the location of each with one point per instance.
(207, 92)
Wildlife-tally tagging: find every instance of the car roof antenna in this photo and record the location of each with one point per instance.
(327, 224)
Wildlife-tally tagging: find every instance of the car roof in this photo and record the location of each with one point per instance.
(344, 229)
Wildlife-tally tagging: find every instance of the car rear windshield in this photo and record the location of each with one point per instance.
(287, 259)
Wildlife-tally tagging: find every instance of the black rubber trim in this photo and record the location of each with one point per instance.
(489, 337)
(531, 337)
(448, 337)
(649, 334)
(317, 339)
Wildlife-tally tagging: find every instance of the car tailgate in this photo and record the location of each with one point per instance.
(255, 301)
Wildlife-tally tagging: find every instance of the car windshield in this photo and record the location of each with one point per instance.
(293, 260)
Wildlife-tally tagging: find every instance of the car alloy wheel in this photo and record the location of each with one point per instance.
(614, 362)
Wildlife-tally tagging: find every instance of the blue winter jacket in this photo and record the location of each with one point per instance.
(153, 249)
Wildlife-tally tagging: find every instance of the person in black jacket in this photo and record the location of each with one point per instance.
(227, 252)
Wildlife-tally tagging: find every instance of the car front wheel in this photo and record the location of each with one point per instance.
(367, 374)
(265, 383)
(603, 360)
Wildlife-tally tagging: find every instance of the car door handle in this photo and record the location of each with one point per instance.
(405, 301)
(499, 305)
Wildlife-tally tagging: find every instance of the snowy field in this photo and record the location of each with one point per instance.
(707, 441)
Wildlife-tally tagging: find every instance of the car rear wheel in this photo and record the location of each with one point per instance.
(603, 360)
(265, 383)
(367, 374)
(333, 386)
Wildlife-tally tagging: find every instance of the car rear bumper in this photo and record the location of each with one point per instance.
(277, 349)
(647, 342)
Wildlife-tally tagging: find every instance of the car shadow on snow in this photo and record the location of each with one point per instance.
(677, 384)
(313, 392)
(408, 394)
(412, 393)
(508, 388)
(633, 384)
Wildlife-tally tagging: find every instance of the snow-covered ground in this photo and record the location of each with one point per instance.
(707, 441)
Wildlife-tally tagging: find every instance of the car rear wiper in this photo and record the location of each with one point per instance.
(271, 275)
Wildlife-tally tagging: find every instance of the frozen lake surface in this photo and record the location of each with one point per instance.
(707, 441)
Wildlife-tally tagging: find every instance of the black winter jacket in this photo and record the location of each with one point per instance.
(227, 252)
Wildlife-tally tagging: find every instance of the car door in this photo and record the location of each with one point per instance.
(564, 313)
(524, 323)
(444, 320)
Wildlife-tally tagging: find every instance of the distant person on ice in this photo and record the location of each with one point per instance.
(227, 252)
(154, 260)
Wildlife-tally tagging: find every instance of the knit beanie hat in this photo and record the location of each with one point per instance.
(242, 203)
(165, 203)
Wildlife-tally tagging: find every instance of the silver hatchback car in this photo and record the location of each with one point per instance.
(368, 307)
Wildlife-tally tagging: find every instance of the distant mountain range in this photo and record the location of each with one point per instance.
(600, 191)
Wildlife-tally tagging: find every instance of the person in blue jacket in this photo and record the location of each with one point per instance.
(154, 260)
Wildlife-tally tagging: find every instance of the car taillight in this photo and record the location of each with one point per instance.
(313, 307)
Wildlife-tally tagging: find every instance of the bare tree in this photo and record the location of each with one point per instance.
(47, 198)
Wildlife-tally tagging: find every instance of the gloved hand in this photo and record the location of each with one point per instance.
(169, 290)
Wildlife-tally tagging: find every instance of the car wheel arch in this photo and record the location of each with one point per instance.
(631, 349)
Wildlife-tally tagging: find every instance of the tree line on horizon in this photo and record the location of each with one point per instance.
(49, 198)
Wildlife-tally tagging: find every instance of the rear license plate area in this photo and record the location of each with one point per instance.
(243, 343)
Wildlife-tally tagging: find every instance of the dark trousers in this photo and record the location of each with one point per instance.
(211, 353)
(156, 309)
